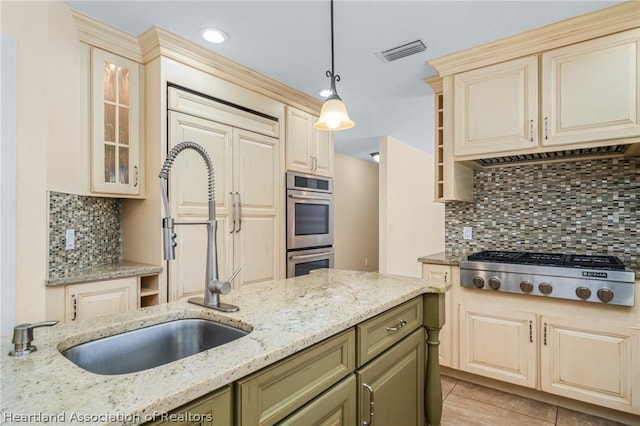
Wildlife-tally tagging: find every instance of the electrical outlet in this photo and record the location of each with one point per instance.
(467, 232)
(69, 239)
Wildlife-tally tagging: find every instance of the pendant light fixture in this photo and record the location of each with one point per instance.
(333, 115)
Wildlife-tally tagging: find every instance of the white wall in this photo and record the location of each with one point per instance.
(8, 80)
(411, 224)
(47, 135)
(356, 214)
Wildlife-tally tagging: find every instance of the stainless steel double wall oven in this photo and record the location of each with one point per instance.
(309, 223)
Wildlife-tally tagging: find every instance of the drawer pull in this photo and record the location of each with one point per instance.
(370, 389)
(401, 324)
(75, 307)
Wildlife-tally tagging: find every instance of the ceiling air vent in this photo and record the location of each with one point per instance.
(572, 154)
(402, 51)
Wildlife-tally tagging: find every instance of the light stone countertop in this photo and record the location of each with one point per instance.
(286, 316)
(110, 271)
(442, 258)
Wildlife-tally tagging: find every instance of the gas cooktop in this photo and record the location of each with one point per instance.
(590, 278)
(550, 259)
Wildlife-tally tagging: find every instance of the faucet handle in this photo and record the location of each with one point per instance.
(23, 336)
(235, 274)
(223, 287)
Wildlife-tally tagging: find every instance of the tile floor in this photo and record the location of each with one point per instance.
(467, 404)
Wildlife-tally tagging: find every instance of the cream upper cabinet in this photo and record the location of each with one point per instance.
(308, 150)
(498, 343)
(115, 125)
(591, 362)
(496, 108)
(591, 90)
(589, 94)
(324, 153)
(100, 298)
(247, 184)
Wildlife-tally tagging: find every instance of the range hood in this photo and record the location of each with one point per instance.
(570, 155)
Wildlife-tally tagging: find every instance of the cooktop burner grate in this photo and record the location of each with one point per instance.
(550, 259)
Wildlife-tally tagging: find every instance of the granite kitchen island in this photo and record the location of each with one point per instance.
(283, 317)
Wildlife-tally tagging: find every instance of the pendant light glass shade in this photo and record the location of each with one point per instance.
(334, 116)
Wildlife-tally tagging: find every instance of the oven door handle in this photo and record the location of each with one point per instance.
(309, 256)
(309, 197)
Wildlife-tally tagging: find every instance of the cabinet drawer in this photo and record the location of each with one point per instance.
(210, 410)
(336, 407)
(275, 392)
(383, 331)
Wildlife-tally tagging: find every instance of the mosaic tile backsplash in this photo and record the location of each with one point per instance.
(96, 222)
(586, 207)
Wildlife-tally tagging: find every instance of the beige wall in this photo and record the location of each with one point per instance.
(356, 214)
(47, 130)
(411, 224)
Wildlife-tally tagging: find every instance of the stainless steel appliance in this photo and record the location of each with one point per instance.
(301, 262)
(600, 279)
(309, 223)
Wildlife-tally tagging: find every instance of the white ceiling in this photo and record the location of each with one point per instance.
(290, 42)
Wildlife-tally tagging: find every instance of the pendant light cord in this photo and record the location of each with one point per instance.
(331, 74)
(332, 57)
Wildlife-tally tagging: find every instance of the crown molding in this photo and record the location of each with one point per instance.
(98, 34)
(599, 23)
(435, 82)
(157, 42)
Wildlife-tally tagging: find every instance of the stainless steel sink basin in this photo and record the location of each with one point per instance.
(152, 346)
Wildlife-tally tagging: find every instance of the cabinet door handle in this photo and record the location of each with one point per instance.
(233, 213)
(446, 275)
(530, 331)
(135, 168)
(239, 212)
(531, 130)
(401, 324)
(75, 307)
(371, 410)
(546, 128)
(545, 334)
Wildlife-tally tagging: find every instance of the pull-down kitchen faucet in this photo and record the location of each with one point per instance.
(213, 287)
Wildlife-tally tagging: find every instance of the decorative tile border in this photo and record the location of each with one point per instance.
(586, 207)
(96, 222)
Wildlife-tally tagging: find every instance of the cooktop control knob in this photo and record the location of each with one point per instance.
(605, 295)
(494, 283)
(583, 293)
(545, 288)
(478, 282)
(526, 286)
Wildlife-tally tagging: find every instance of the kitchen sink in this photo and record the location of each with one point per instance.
(152, 346)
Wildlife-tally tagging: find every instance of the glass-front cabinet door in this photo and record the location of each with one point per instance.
(115, 94)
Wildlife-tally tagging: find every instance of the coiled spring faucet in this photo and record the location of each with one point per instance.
(213, 286)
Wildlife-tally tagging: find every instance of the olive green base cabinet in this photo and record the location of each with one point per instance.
(210, 410)
(317, 386)
(336, 407)
(271, 394)
(391, 387)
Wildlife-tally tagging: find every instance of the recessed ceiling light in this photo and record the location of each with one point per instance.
(213, 35)
(324, 93)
